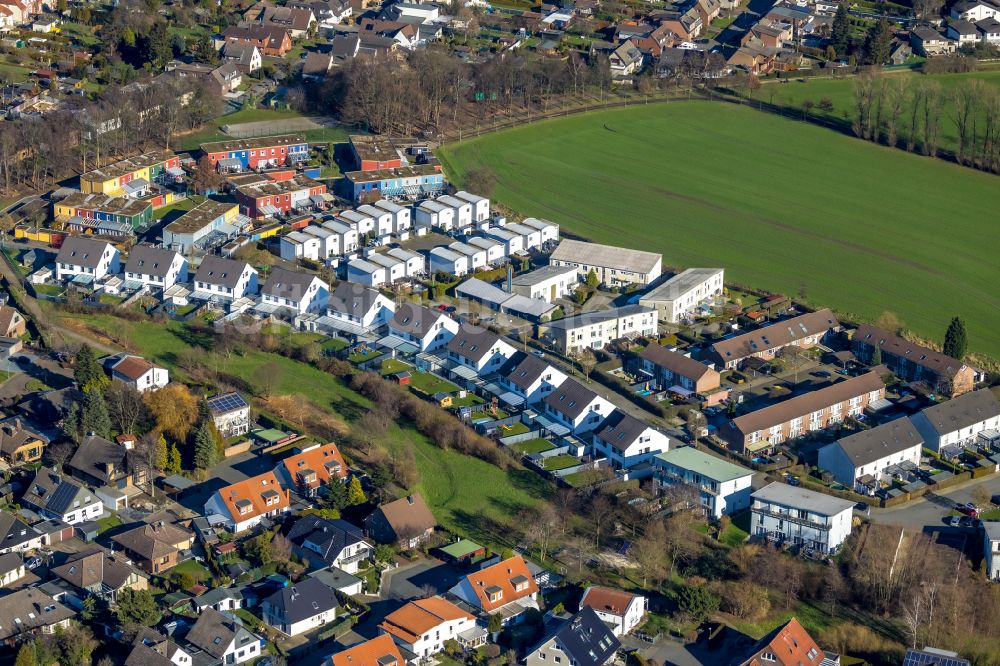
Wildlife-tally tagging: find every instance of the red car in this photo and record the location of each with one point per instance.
(441, 308)
(969, 510)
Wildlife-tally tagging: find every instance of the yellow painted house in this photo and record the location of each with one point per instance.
(112, 178)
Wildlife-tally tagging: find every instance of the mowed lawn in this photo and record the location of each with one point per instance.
(841, 93)
(782, 205)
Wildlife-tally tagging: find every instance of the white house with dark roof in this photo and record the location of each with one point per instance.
(301, 607)
(866, 459)
(989, 30)
(684, 292)
(962, 31)
(57, 496)
(478, 348)
(594, 330)
(974, 10)
(529, 377)
(958, 422)
(358, 305)
(88, 258)
(576, 408)
(583, 640)
(156, 267)
(300, 292)
(427, 329)
(224, 279)
(623, 611)
(230, 413)
(223, 638)
(628, 442)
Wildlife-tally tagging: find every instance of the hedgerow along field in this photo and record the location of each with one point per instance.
(781, 205)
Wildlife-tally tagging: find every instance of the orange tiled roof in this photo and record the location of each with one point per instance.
(504, 575)
(256, 491)
(380, 651)
(416, 618)
(133, 367)
(607, 600)
(317, 459)
(790, 645)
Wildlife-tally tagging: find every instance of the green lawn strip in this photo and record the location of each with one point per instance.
(773, 225)
(517, 428)
(561, 461)
(193, 567)
(530, 446)
(105, 524)
(430, 384)
(391, 366)
(583, 478)
(733, 536)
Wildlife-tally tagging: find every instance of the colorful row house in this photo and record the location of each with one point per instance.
(98, 213)
(132, 176)
(268, 198)
(257, 153)
(423, 179)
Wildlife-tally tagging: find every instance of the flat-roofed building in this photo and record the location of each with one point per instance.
(594, 330)
(546, 283)
(614, 266)
(684, 292)
(800, 517)
(195, 227)
(723, 488)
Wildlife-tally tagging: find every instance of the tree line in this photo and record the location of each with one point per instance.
(909, 113)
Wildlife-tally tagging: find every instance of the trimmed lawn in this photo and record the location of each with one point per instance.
(530, 446)
(48, 289)
(111, 522)
(429, 383)
(801, 221)
(562, 461)
(992, 514)
(733, 536)
(486, 414)
(196, 569)
(583, 478)
(361, 357)
(515, 429)
(469, 400)
(393, 365)
(334, 344)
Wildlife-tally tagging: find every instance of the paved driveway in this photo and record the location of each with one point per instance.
(930, 510)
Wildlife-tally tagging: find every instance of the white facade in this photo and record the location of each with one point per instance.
(991, 549)
(69, 265)
(297, 245)
(401, 219)
(532, 238)
(625, 447)
(974, 11)
(152, 379)
(597, 329)
(12, 576)
(448, 261)
(480, 205)
(382, 217)
(488, 362)
(462, 210)
(217, 285)
(477, 256)
(176, 272)
(366, 272)
(547, 283)
(684, 292)
(622, 620)
(432, 641)
(548, 230)
(312, 299)
(434, 215)
(362, 223)
(329, 241)
(723, 488)
(800, 517)
(415, 263)
(436, 335)
(513, 242)
(534, 391)
(347, 235)
(378, 312)
(394, 268)
(495, 250)
(958, 422)
(579, 420)
(869, 453)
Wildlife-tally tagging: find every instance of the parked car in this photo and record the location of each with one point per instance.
(33, 562)
(441, 308)
(969, 509)
(954, 521)
(822, 373)
(862, 507)
(995, 500)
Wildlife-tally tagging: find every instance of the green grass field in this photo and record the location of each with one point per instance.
(841, 93)
(782, 205)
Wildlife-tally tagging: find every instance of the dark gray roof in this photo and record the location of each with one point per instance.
(14, 531)
(523, 369)
(27, 610)
(282, 283)
(304, 599)
(621, 429)
(51, 491)
(214, 631)
(330, 536)
(677, 363)
(965, 410)
(218, 270)
(473, 342)
(868, 446)
(93, 456)
(80, 251)
(963, 27)
(147, 260)
(586, 640)
(9, 562)
(414, 319)
(352, 298)
(898, 346)
(570, 399)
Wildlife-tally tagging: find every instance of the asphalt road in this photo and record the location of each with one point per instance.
(930, 510)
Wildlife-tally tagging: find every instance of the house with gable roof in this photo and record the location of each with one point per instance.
(628, 442)
(311, 470)
(622, 610)
(422, 327)
(528, 377)
(243, 505)
(583, 640)
(423, 626)
(406, 521)
(576, 408)
(86, 258)
(56, 496)
(139, 373)
(335, 543)
(379, 651)
(301, 607)
(506, 589)
(224, 279)
(223, 638)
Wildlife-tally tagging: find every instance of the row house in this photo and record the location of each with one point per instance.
(674, 371)
(203, 224)
(257, 153)
(86, 260)
(148, 167)
(684, 293)
(478, 348)
(289, 290)
(867, 459)
(271, 40)
(359, 306)
(760, 431)
(224, 279)
(574, 409)
(912, 362)
(594, 330)
(628, 442)
(90, 209)
(528, 378)
(270, 198)
(614, 266)
(803, 331)
(957, 423)
(155, 267)
(403, 181)
(428, 330)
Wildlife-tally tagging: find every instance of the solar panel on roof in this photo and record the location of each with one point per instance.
(227, 402)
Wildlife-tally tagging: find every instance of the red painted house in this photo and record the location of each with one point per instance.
(268, 198)
(257, 153)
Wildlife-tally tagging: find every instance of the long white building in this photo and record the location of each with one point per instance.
(800, 517)
(614, 266)
(866, 459)
(723, 487)
(594, 330)
(684, 292)
(958, 422)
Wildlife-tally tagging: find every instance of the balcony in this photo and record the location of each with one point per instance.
(783, 515)
(671, 479)
(362, 554)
